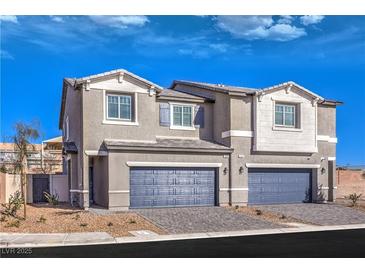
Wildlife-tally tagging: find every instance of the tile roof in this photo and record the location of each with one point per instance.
(215, 87)
(183, 94)
(167, 144)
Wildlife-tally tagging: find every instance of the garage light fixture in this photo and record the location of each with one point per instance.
(225, 171)
(241, 170)
(323, 170)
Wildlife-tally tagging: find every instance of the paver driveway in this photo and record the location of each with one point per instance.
(202, 219)
(318, 214)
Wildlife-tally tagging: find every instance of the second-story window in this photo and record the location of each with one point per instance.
(119, 107)
(285, 115)
(182, 116)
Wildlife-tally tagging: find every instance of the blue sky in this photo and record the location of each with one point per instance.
(325, 54)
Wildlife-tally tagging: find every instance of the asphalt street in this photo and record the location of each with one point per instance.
(323, 244)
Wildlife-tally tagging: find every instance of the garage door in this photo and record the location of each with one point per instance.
(172, 187)
(279, 186)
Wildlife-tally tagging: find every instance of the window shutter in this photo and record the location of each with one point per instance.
(199, 117)
(164, 114)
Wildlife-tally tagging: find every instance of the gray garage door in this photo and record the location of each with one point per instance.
(279, 186)
(172, 187)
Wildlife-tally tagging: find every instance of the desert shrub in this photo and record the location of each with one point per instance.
(51, 198)
(14, 204)
(110, 224)
(258, 212)
(42, 219)
(83, 224)
(354, 198)
(77, 217)
(2, 219)
(236, 207)
(15, 223)
(131, 221)
(282, 217)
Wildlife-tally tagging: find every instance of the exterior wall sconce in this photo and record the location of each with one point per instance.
(241, 170)
(225, 171)
(323, 170)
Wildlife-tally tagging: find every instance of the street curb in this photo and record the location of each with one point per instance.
(171, 237)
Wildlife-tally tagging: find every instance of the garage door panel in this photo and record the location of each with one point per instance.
(170, 187)
(273, 186)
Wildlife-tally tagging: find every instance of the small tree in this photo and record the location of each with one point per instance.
(24, 133)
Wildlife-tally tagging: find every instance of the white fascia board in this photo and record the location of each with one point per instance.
(270, 165)
(234, 189)
(237, 133)
(96, 153)
(331, 158)
(171, 164)
(326, 138)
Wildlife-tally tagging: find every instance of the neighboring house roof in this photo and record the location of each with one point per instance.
(54, 140)
(175, 94)
(76, 81)
(215, 87)
(12, 147)
(163, 144)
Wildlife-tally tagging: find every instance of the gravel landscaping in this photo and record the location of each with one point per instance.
(203, 219)
(42, 218)
(318, 214)
(268, 215)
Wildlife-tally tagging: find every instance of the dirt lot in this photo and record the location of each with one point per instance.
(64, 219)
(267, 216)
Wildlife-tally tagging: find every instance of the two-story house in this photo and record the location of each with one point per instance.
(130, 143)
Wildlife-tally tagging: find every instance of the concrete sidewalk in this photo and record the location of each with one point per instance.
(9, 240)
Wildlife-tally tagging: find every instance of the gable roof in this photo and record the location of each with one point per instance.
(116, 72)
(290, 84)
(74, 82)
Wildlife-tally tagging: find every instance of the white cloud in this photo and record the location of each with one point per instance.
(219, 47)
(5, 55)
(8, 18)
(311, 19)
(121, 22)
(285, 19)
(57, 19)
(285, 32)
(260, 27)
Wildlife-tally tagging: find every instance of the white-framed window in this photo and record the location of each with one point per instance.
(182, 116)
(285, 115)
(119, 107)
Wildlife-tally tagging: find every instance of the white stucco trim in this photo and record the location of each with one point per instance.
(171, 164)
(326, 138)
(78, 191)
(125, 123)
(270, 165)
(96, 153)
(323, 187)
(118, 191)
(331, 158)
(234, 189)
(237, 133)
(176, 137)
